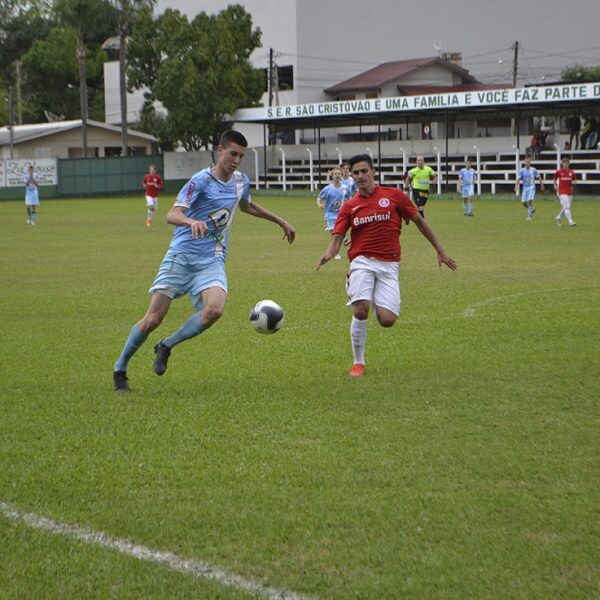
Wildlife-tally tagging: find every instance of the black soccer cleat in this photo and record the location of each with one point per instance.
(121, 381)
(162, 357)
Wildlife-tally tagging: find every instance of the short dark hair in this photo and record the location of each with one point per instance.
(234, 137)
(360, 158)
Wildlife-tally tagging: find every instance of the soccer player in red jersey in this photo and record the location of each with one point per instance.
(374, 217)
(564, 180)
(152, 184)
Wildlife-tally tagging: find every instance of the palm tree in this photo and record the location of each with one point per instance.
(128, 10)
(85, 17)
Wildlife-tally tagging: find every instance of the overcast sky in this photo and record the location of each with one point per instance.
(552, 34)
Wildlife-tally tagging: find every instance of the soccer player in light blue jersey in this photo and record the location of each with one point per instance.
(528, 176)
(32, 196)
(331, 198)
(467, 178)
(195, 261)
(348, 180)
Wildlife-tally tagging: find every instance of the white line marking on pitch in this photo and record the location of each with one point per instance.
(192, 567)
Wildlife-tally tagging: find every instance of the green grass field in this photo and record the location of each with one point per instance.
(463, 465)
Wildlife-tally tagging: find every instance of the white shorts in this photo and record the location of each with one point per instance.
(565, 200)
(376, 281)
(152, 201)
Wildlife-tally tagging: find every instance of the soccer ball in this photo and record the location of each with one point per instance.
(267, 316)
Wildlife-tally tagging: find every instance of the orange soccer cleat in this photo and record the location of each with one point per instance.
(357, 370)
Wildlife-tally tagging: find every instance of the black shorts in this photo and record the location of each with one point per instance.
(420, 197)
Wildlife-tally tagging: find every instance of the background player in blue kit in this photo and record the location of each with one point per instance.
(331, 198)
(528, 176)
(348, 180)
(467, 178)
(195, 261)
(32, 196)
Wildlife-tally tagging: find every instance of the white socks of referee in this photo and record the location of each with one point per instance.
(358, 335)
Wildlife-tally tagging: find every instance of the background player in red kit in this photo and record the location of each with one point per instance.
(564, 179)
(152, 184)
(375, 217)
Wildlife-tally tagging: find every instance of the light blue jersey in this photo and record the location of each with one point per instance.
(528, 178)
(333, 198)
(213, 201)
(351, 185)
(468, 177)
(31, 189)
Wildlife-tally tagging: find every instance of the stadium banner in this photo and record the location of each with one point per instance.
(482, 98)
(14, 169)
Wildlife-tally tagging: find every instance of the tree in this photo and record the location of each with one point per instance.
(20, 25)
(54, 60)
(579, 74)
(88, 19)
(199, 71)
(128, 12)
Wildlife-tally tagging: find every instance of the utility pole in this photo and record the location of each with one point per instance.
(515, 69)
(10, 119)
(271, 78)
(270, 86)
(514, 126)
(83, 101)
(18, 82)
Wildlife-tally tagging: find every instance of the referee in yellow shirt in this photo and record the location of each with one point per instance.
(419, 179)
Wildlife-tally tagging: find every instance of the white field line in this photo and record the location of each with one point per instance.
(191, 567)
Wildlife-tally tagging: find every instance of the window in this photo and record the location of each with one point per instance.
(284, 80)
(285, 75)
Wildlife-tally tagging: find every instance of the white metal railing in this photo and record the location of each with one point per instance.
(255, 167)
(478, 169)
(438, 162)
(283, 169)
(311, 170)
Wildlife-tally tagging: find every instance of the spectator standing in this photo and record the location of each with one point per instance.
(573, 127)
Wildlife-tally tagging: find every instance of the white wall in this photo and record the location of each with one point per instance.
(112, 102)
(333, 40)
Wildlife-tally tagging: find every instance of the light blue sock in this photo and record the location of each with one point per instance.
(191, 328)
(134, 341)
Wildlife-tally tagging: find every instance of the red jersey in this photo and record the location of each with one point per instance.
(566, 179)
(375, 222)
(152, 183)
